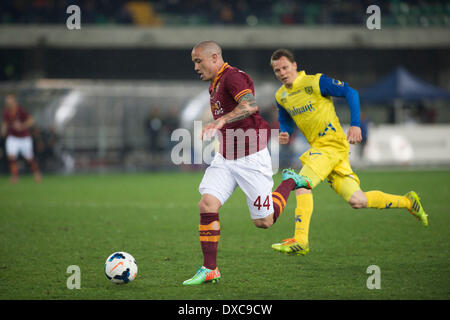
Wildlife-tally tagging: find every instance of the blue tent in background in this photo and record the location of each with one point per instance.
(399, 87)
(402, 85)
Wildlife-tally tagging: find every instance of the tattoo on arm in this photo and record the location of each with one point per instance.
(245, 108)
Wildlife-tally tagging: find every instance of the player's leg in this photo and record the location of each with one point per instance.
(216, 187)
(12, 152)
(317, 165)
(209, 232)
(253, 174)
(209, 229)
(299, 244)
(14, 169)
(348, 187)
(258, 184)
(305, 207)
(381, 200)
(279, 200)
(26, 148)
(290, 181)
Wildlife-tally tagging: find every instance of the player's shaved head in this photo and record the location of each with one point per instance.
(207, 58)
(209, 47)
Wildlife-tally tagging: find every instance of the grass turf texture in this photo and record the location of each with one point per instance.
(80, 220)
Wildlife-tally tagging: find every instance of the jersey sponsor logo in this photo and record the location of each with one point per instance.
(309, 90)
(295, 92)
(299, 110)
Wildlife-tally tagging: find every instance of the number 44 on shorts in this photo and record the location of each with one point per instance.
(265, 204)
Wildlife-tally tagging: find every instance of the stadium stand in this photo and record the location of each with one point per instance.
(238, 12)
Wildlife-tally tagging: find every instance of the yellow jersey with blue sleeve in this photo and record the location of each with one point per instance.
(313, 113)
(308, 105)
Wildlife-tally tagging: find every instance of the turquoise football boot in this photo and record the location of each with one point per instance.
(203, 275)
(300, 181)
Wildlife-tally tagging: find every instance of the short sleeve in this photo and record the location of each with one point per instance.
(239, 84)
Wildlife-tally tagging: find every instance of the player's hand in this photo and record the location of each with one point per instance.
(283, 138)
(354, 135)
(210, 129)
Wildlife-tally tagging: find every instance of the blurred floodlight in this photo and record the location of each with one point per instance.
(67, 109)
(194, 109)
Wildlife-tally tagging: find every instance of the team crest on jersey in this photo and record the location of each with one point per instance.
(309, 90)
(216, 109)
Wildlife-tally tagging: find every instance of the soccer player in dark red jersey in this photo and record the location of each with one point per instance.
(243, 159)
(16, 126)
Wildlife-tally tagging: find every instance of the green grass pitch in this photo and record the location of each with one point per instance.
(80, 220)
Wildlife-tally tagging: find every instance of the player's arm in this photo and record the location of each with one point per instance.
(331, 87)
(4, 128)
(245, 108)
(28, 123)
(287, 125)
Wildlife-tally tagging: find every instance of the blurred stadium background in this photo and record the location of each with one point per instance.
(106, 97)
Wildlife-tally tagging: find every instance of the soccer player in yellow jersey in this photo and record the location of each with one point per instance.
(306, 101)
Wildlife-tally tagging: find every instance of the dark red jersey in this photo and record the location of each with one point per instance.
(243, 137)
(16, 115)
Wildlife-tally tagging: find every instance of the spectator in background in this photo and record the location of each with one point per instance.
(227, 14)
(221, 11)
(124, 16)
(430, 115)
(44, 144)
(173, 119)
(171, 122)
(16, 127)
(153, 125)
(38, 144)
(50, 143)
(89, 13)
